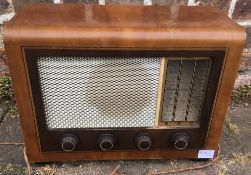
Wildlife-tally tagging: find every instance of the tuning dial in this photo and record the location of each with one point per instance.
(69, 142)
(106, 142)
(143, 141)
(180, 140)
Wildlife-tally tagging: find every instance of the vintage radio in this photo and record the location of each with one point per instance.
(122, 82)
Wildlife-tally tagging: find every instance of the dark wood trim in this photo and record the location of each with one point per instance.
(49, 138)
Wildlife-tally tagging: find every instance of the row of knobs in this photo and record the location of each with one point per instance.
(106, 141)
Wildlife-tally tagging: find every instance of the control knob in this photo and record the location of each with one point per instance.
(106, 142)
(180, 140)
(69, 142)
(143, 141)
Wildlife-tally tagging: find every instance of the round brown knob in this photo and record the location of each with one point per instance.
(69, 142)
(143, 141)
(180, 140)
(106, 142)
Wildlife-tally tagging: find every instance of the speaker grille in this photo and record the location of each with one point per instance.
(95, 92)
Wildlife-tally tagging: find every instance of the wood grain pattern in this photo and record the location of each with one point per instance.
(160, 90)
(108, 28)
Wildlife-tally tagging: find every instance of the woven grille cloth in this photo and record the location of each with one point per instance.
(99, 92)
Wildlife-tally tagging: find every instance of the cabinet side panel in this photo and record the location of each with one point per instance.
(225, 89)
(23, 97)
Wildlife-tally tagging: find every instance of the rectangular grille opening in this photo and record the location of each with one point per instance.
(99, 92)
(185, 86)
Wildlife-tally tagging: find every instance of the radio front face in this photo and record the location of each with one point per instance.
(122, 100)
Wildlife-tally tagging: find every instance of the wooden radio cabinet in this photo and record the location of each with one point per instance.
(122, 82)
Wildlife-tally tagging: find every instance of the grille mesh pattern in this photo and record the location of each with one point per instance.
(92, 92)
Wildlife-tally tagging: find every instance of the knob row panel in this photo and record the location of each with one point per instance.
(143, 141)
